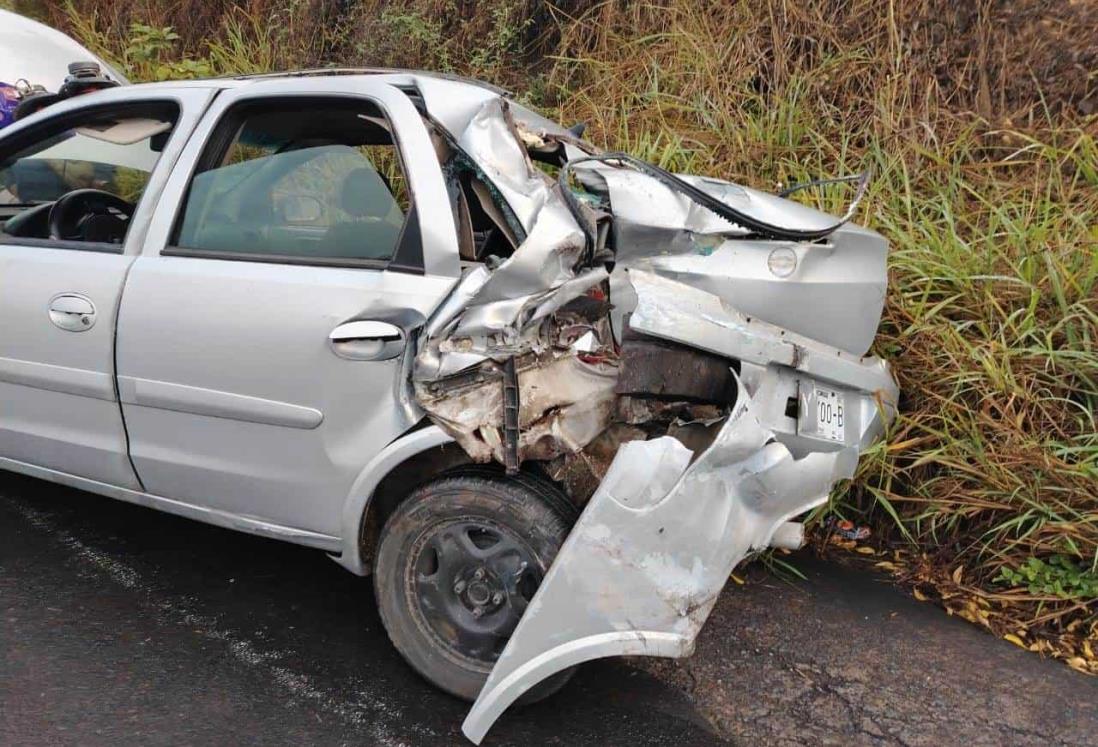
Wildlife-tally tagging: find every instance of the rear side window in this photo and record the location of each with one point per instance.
(298, 181)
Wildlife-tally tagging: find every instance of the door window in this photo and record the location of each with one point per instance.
(298, 181)
(78, 181)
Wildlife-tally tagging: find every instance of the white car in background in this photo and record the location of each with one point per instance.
(35, 55)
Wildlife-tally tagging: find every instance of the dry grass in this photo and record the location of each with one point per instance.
(975, 122)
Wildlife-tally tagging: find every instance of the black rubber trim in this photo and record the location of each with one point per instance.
(277, 259)
(821, 183)
(408, 256)
(99, 247)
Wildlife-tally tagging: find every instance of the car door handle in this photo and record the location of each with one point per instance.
(72, 312)
(367, 341)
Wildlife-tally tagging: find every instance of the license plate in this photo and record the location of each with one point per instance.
(827, 409)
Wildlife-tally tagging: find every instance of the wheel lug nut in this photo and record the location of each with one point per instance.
(479, 574)
(478, 611)
(497, 598)
(459, 587)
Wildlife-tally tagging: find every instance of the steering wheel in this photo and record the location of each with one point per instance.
(90, 215)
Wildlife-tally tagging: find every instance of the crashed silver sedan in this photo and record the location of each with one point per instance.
(548, 396)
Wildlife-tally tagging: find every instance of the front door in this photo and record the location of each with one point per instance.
(75, 188)
(264, 337)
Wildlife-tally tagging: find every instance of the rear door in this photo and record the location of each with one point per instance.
(58, 296)
(265, 336)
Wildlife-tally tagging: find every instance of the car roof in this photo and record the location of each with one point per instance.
(451, 100)
(338, 71)
(322, 74)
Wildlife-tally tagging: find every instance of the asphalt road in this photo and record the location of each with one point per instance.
(122, 626)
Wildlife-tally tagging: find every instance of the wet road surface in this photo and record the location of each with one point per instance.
(123, 626)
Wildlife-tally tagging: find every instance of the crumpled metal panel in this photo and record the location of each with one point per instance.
(493, 315)
(648, 212)
(832, 292)
(428, 362)
(546, 259)
(649, 216)
(675, 311)
(643, 567)
(496, 330)
(451, 103)
(490, 140)
(842, 280)
(566, 403)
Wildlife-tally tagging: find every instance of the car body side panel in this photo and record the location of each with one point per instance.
(362, 491)
(233, 396)
(233, 399)
(59, 407)
(842, 280)
(177, 508)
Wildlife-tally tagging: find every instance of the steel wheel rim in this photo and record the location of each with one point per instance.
(469, 580)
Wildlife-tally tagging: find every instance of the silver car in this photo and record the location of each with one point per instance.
(547, 396)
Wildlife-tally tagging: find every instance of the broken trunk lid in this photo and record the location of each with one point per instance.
(646, 187)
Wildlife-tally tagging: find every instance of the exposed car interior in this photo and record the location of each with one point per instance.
(80, 180)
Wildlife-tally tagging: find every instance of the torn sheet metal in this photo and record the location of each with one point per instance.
(492, 141)
(470, 333)
(777, 366)
(694, 202)
(840, 279)
(547, 259)
(643, 567)
(673, 310)
(494, 315)
(565, 403)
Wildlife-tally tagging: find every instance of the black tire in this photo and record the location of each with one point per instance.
(449, 575)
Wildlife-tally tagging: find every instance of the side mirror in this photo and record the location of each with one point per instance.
(299, 209)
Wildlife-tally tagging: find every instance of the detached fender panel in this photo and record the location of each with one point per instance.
(646, 561)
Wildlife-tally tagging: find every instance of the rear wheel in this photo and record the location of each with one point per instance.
(456, 566)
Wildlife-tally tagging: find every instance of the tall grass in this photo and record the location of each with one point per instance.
(985, 181)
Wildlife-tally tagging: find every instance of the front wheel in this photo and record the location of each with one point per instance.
(456, 566)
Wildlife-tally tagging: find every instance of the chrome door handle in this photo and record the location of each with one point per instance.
(367, 341)
(72, 312)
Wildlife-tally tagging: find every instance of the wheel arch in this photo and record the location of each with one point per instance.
(409, 460)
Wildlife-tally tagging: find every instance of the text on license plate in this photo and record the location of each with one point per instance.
(830, 418)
